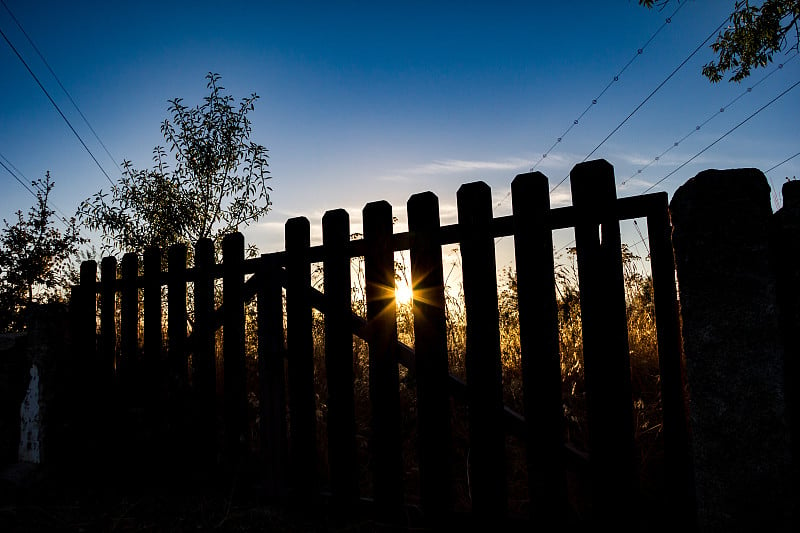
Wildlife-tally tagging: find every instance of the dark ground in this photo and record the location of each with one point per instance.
(33, 501)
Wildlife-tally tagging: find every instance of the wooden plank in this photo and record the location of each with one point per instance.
(300, 355)
(233, 349)
(153, 334)
(606, 357)
(271, 370)
(482, 359)
(108, 326)
(539, 344)
(383, 369)
(680, 506)
(342, 451)
(430, 347)
(203, 342)
(129, 321)
(176, 319)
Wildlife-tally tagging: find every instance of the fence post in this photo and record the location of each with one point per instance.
(430, 349)
(342, 451)
(539, 345)
(734, 355)
(483, 367)
(383, 371)
(607, 371)
(271, 371)
(300, 347)
(234, 379)
(680, 510)
(204, 359)
(87, 434)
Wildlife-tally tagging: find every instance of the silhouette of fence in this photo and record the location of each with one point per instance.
(187, 371)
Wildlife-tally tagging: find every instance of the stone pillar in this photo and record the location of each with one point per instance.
(785, 250)
(733, 349)
(48, 353)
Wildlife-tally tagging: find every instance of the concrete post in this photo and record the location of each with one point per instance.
(734, 352)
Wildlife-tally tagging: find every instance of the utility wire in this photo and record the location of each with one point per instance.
(709, 119)
(695, 156)
(782, 162)
(594, 101)
(652, 93)
(615, 79)
(56, 106)
(41, 56)
(64, 218)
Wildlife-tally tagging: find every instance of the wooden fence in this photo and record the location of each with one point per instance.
(285, 342)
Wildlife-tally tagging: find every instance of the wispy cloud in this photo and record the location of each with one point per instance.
(457, 166)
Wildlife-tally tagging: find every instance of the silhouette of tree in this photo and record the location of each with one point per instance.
(754, 35)
(34, 257)
(218, 183)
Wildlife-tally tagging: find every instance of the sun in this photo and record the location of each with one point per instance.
(403, 293)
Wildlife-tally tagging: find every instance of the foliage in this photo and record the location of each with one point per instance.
(755, 34)
(219, 181)
(34, 257)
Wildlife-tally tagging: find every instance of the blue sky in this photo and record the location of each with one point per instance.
(363, 101)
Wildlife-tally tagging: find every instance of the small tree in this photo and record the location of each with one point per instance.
(755, 34)
(34, 257)
(218, 183)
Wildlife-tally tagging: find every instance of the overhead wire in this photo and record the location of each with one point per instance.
(596, 99)
(698, 127)
(61, 85)
(652, 93)
(698, 154)
(615, 79)
(64, 218)
(66, 120)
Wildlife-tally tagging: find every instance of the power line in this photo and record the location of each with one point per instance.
(56, 106)
(782, 162)
(652, 93)
(615, 79)
(594, 101)
(7, 164)
(41, 56)
(695, 156)
(697, 128)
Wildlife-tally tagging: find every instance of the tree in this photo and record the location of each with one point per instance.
(218, 183)
(754, 35)
(34, 257)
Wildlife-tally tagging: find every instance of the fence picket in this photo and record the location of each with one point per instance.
(300, 355)
(430, 349)
(605, 341)
(342, 452)
(383, 370)
(234, 379)
(484, 374)
(129, 320)
(108, 327)
(152, 326)
(271, 371)
(204, 364)
(176, 318)
(538, 338)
